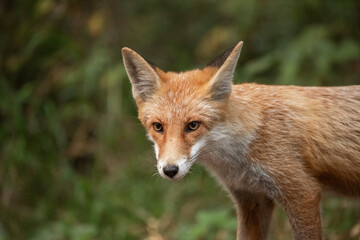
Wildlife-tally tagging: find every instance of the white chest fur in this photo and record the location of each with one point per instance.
(225, 154)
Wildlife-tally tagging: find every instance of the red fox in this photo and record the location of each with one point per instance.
(265, 144)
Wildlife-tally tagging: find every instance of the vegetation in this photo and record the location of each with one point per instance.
(74, 160)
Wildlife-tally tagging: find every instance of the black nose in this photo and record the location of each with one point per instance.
(171, 170)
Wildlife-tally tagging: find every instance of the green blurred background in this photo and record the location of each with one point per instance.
(74, 160)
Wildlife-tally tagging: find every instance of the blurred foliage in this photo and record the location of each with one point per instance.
(219, 224)
(74, 160)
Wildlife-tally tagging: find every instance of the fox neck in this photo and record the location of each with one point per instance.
(225, 148)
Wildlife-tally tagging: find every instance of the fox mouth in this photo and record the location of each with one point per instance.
(175, 178)
(174, 171)
(176, 168)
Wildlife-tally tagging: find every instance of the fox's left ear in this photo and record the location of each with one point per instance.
(144, 79)
(220, 84)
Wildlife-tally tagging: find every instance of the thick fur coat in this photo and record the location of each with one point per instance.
(265, 144)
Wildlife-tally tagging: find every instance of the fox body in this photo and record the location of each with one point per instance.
(263, 143)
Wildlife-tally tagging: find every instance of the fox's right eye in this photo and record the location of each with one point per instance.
(158, 127)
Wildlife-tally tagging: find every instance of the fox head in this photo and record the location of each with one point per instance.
(179, 110)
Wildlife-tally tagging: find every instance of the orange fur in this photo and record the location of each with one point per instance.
(263, 143)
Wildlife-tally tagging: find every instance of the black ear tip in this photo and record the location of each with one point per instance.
(153, 65)
(219, 60)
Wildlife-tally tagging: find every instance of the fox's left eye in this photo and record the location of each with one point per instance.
(158, 127)
(192, 126)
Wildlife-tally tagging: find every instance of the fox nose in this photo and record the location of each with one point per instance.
(171, 170)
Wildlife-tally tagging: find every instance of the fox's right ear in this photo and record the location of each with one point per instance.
(220, 84)
(143, 77)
